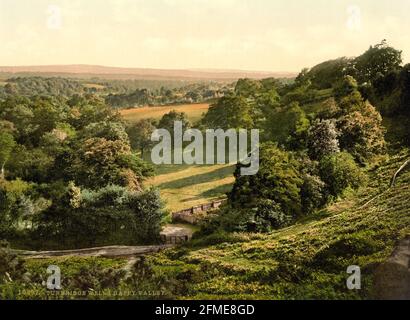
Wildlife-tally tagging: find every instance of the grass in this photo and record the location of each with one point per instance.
(80, 277)
(193, 111)
(184, 186)
(305, 261)
(94, 86)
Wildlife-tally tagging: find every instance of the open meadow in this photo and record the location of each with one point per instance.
(193, 111)
(185, 186)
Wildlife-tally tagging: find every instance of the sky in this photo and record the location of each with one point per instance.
(263, 35)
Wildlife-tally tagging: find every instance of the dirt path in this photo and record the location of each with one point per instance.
(107, 252)
(392, 280)
(129, 252)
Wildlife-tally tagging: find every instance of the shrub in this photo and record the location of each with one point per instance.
(323, 139)
(264, 216)
(340, 172)
(11, 267)
(312, 193)
(278, 179)
(112, 214)
(267, 216)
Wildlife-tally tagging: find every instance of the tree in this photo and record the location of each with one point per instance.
(41, 106)
(303, 78)
(11, 266)
(7, 145)
(378, 61)
(140, 135)
(167, 121)
(109, 130)
(312, 193)
(230, 112)
(263, 216)
(15, 205)
(112, 214)
(267, 216)
(288, 126)
(301, 92)
(360, 125)
(16, 110)
(31, 164)
(278, 179)
(323, 139)
(91, 110)
(340, 172)
(148, 213)
(325, 74)
(247, 87)
(348, 85)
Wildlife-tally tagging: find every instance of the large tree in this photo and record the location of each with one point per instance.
(325, 74)
(288, 126)
(167, 121)
(376, 62)
(278, 179)
(99, 162)
(231, 112)
(360, 125)
(140, 135)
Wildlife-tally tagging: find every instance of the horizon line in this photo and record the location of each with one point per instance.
(194, 69)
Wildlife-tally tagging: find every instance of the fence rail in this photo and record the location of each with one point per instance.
(188, 215)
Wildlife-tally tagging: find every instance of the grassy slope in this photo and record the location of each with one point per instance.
(306, 261)
(193, 111)
(184, 186)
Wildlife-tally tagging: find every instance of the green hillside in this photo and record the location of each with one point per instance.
(305, 261)
(185, 186)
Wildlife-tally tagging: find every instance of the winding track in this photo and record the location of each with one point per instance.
(106, 252)
(111, 251)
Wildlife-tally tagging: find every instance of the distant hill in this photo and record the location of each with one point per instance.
(91, 71)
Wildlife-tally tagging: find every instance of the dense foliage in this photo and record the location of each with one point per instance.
(325, 133)
(53, 146)
(191, 93)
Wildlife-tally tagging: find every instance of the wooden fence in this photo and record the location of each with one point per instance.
(189, 215)
(171, 239)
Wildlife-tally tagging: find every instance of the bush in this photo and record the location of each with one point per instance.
(112, 214)
(278, 179)
(11, 267)
(340, 172)
(312, 193)
(266, 215)
(323, 139)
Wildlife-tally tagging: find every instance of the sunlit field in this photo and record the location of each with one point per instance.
(194, 112)
(185, 186)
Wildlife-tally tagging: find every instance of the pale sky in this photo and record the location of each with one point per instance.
(269, 35)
